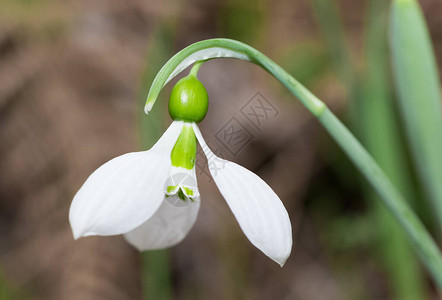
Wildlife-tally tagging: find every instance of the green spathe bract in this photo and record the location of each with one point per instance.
(189, 100)
(184, 152)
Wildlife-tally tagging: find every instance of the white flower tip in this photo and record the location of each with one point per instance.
(79, 230)
(281, 260)
(281, 256)
(82, 233)
(77, 234)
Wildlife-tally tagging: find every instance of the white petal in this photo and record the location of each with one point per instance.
(258, 210)
(124, 192)
(168, 226)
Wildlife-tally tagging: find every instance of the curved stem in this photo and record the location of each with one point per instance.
(222, 48)
(419, 237)
(196, 67)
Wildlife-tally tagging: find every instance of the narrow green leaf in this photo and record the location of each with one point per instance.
(418, 87)
(380, 131)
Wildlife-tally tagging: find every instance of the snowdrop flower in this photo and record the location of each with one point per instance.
(152, 196)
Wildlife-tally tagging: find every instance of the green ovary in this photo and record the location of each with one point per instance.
(184, 152)
(188, 101)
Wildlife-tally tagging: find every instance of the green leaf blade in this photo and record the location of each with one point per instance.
(418, 87)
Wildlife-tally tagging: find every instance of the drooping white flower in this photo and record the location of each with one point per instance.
(152, 196)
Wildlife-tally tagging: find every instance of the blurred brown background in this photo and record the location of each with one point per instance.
(70, 87)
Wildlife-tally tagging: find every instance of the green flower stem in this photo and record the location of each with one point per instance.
(421, 240)
(234, 49)
(196, 67)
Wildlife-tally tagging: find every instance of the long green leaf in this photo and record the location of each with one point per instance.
(215, 48)
(418, 87)
(380, 131)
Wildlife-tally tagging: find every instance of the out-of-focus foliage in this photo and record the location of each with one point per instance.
(418, 88)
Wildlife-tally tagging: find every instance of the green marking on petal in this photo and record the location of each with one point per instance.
(184, 152)
(188, 191)
(181, 195)
(182, 192)
(171, 188)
